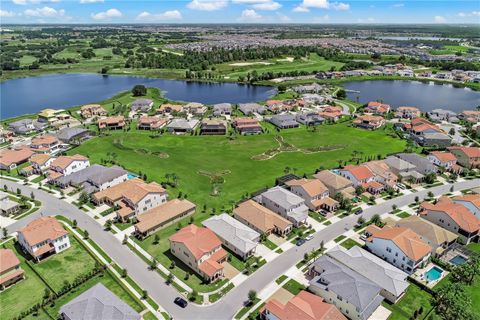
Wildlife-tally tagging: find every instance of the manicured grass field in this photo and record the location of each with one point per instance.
(349, 243)
(293, 287)
(412, 300)
(474, 247)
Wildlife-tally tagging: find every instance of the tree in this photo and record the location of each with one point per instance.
(417, 199)
(125, 239)
(430, 194)
(252, 296)
(153, 264)
(451, 302)
(83, 198)
(360, 220)
(85, 235)
(139, 90)
(74, 224)
(341, 94)
(144, 294)
(430, 178)
(169, 278)
(467, 272)
(282, 88)
(19, 192)
(156, 239)
(451, 132)
(124, 273)
(172, 265)
(306, 257)
(5, 233)
(359, 190)
(193, 295)
(32, 195)
(394, 207)
(108, 224)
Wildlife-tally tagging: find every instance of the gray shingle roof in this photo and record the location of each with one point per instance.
(373, 268)
(92, 176)
(98, 303)
(399, 164)
(422, 165)
(248, 108)
(233, 231)
(348, 284)
(182, 124)
(67, 134)
(141, 104)
(283, 120)
(288, 200)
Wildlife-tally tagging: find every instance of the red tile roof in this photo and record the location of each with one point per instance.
(443, 156)
(42, 229)
(8, 260)
(198, 240)
(359, 172)
(458, 213)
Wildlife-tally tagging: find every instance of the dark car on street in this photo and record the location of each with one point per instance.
(180, 302)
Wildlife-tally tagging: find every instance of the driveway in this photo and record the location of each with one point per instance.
(234, 299)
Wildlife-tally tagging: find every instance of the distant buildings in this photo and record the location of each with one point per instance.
(377, 108)
(250, 108)
(369, 122)
(182, 125)
(407, 112)
(92, 110)
(151, 122)
(141, 105)
(222, 109)
(112, 123)
(7, 206)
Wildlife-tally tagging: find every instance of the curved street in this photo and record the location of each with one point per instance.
(232, 301)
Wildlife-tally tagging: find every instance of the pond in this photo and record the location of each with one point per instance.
(32, 94)
(424, 95)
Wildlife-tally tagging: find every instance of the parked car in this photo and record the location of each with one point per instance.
(359, 212)
(323, 212)
(363, 237)
(401, 186)
(309, 237)
(300, 242)
(180, 302)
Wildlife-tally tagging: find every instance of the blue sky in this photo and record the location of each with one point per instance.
(239, 11)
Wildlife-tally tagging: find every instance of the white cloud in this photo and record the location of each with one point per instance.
(439, 19)
(167, 15)
(469, 14)
(7, 14)
(207, 5)
(105, 15)
(249, 15)
(24, 2)
(45, 12)
(398, 5)
(91, 1)
(321, 4)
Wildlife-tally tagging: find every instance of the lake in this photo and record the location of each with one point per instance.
(30, 95)
(425, 96)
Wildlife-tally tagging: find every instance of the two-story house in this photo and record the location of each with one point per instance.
(10, 270)
(468, 157)
(471, 202)
(359, 175)
(286, 204)
(66, 165)
(47, 144)
(201, 250)
(43, 237)
(314, 192)
(446, 160)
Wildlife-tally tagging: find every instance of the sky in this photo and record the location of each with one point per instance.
(240, 11)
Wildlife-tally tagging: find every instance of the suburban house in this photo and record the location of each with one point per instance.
(359, 175)
(43, 237)
(57, 118)
(39, 163)
(471, 202)
(309, 118)
(439, 115)
(196, 108)
(132, 197)
(304, 305)
(403, 169)
(277, 106)
(336, 183)
(250, 108)
(331, 113)
(170, 108)
(426, 133)
(98, 303)
(354, 295)
(369, 122)
(141, 105)
(10, 270)
(436, 237)
(312, 98)
(247, 126)
(383, 173)
(92, 110)
(74, 135)
(213, 127)
(392, 280)
(222, 109)
(472, 116)
(112, 123)
(6, 135)
(45, 144)
(94, 178)
(314, 192)
(11, 158)
(66, 165)
(401, 247)
(151, 122)
(7, 206)
(180, 125)
(163, 215)
(26, 126)
(283, 121)
(422, 164)
(468, 157)
(453, 217)
(407, 112)
(308, 88)
(376, 107)
(445, 160)
(49, 115)
(286, 204)
(201, 250)
(236, 236)
(261, 219)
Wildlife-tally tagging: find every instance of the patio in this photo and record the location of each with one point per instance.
(456, 254)
(420, 275)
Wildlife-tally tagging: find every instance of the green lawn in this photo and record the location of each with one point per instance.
(339, 238)
(293, 287)
(403, 215)
(349, 243)
(66, 265)
(412, 300)
(474, 247)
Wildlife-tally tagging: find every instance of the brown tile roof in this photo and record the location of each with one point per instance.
(443, 156)
(312, 187)
(427, 229)
(39, 158)
(170, 107)
(198, 240)
(153, 121)
(8, 260)
(405, 239)
(331, 179)
(64, 161)
(11, 275)
(11, 156)
(46, 139)
(327, 200)
(471, 152)
(369, 118)
(245, 122)
(42, 229)
(458, 213)
(407, 108)
(262, 218)
(163, 213)
(359, 172)
(134, 190)
(111, 120)
(211, 265)
(373, 185)
(304, 306)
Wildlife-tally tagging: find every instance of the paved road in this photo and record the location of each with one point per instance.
(225, 308)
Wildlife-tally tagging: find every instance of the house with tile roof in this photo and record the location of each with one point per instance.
(404, 169)
(66, 165)
(471, 202)
(92, 110)
(369, 122)
(354, 295)
(422, 164)
(468, 157)
(98, 303)
(141, 105)
(406, 112)
(151, 122)
(336, 183)
(39, 163)
(314, 192)
(247, 126)
(472, 116)
(236, 236)
(376, 107)
(201, 250)
(94, 178)
(453, 217)
(47, 144)
(392, 280)
(401, 247)
(10, 270)
(331, 113)
(383, 173)
(180, 125)
(359, 175)
(261, 219)
(74, 136)
(435, 236)
(196, 108)
(132, 197)
(304, 305)
(213, 127)
(11, 158)
(285, 203)
(43, 237)
(222, 109)
(111, 123)
(170, 108)
(444, 159)
(163, 215)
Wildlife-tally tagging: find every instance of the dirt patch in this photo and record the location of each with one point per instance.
(216, 179)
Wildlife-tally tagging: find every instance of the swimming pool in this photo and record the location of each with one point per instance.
(457, 260)
(131, 175)
(433, 274)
